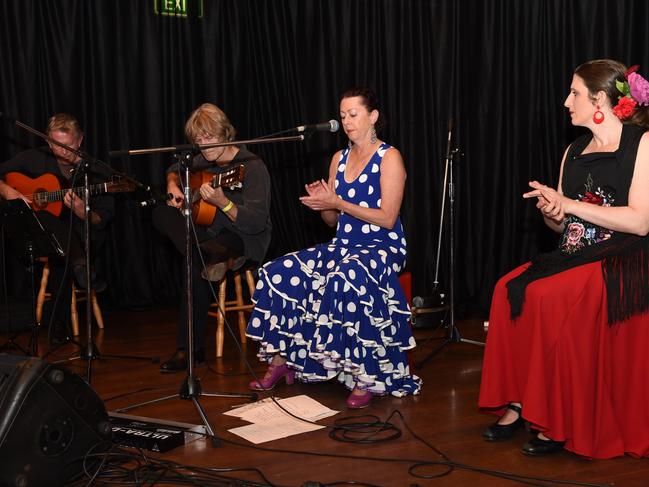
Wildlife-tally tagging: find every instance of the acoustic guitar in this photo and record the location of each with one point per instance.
(47, 193)
(203, 213)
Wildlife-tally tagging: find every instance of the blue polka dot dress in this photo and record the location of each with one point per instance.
(337, 309)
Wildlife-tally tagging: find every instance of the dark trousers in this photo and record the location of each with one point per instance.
(215, 248)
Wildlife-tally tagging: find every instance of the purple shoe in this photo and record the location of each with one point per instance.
(272, 377)
(359, 401)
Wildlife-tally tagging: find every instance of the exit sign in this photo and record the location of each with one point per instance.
(178, 8)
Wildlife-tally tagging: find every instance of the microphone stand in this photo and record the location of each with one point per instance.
(451, 332)
(191, 389)
(90, 351)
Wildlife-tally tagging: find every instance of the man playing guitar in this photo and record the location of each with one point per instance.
(37, 165)
(239, 230)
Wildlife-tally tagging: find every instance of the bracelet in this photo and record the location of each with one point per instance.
(227, 207)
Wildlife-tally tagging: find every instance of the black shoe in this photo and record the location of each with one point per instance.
(537, 447)
(500, 432)
(178, 362)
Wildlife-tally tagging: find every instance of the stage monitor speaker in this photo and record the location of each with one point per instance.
(50, 419)
(429, 311)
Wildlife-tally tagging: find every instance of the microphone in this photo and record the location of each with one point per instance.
(155, 199)
(330, 126)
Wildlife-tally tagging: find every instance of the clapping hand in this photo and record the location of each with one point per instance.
(549, 201)
(320, 196)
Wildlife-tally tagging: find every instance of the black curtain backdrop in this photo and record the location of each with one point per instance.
(500, 68)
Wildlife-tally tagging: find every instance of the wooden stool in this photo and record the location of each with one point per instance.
(234, 305)
(77, 296)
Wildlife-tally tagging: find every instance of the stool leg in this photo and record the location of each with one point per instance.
(97, 310)
(250, 279)
(74, 316)
(40, 300)
(220, 317)
(242, 319)
(251, 282)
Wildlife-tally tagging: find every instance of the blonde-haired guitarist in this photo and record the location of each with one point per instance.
(231, 188)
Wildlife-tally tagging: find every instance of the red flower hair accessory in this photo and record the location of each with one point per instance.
(625, 107)
(635, 91)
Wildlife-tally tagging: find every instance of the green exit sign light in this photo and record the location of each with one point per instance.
(177, 8)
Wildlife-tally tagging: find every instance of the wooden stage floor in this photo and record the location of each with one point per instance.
(445, 416)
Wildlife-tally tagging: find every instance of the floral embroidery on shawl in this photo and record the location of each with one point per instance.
(578, 233)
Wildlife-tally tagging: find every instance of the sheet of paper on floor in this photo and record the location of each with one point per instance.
(270, 422)
(273, 430)
(302, 406)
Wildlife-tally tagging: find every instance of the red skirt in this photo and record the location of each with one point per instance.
(579, 379)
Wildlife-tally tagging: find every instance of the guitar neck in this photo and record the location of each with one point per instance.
(59, 194)
(216, 180)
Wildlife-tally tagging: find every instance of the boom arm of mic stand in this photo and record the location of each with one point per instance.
(197, 147)
(78, 152)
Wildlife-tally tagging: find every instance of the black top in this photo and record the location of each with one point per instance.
(600, 178)
(36, 162)
(610, 171)
(253, 202)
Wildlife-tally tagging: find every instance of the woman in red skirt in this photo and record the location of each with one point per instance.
(568, 332)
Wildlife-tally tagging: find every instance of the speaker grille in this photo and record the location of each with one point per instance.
(49, 420)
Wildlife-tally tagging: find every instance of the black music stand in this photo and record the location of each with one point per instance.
(25, 229)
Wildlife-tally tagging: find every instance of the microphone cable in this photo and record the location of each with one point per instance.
(351, 429)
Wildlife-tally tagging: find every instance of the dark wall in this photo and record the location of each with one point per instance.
(500, 68)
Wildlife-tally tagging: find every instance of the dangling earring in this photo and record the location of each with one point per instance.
(373, 136)
(350, 144)
(598, 116)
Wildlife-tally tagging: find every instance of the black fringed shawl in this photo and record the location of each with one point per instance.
(624, 257)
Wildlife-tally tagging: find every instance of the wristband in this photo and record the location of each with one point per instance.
(227, 207)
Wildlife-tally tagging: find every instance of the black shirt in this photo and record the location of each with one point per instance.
(253, 202)
(36, 162)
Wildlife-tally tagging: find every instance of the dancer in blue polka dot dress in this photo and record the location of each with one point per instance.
(337, 310)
